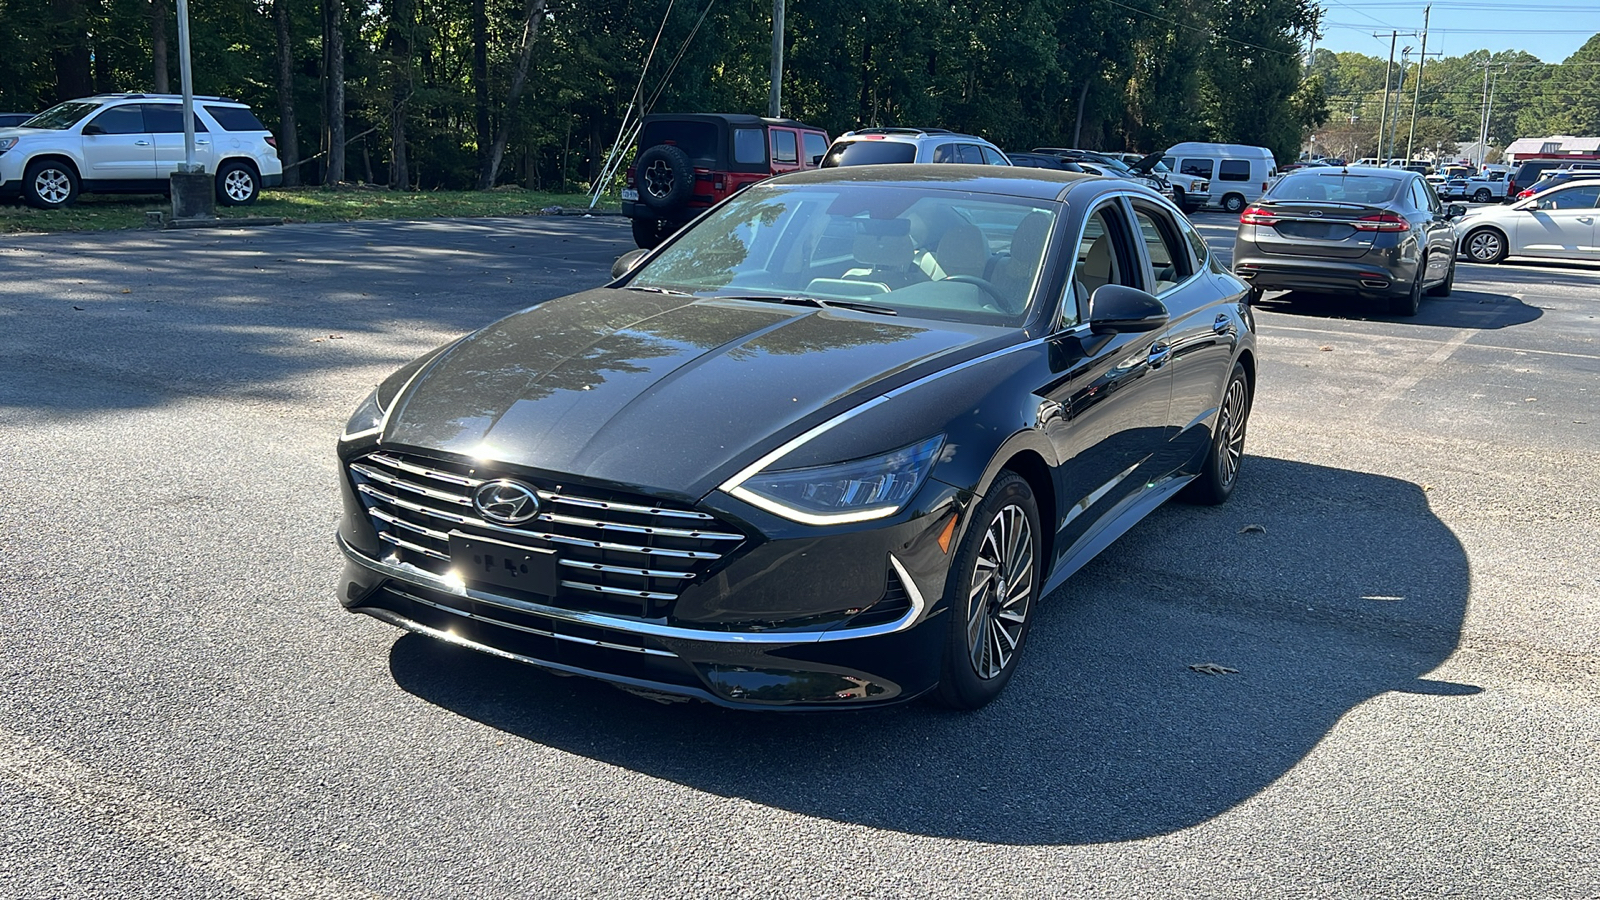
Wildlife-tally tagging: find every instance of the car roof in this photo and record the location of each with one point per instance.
(729, 118)
(1013, 181)
(1360, 171)
(911, 133)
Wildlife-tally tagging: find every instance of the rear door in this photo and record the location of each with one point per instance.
(813, 146)
(1563, 224)
(165, 123)
(118, 147)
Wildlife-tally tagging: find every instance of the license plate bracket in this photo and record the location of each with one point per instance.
(487, 561)
(630, 194)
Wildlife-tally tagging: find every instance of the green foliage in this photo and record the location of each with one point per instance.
(1140, 74)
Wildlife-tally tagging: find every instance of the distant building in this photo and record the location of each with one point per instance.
(1556, 144)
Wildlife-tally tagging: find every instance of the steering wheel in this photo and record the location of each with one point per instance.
(981, 285)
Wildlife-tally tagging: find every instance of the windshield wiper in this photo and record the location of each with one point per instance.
(657, 290)
(811, 301)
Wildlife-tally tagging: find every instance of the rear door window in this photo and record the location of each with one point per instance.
(167, 118)
(944, 153)
(1233, 170)
(234, 118)
(697, 139)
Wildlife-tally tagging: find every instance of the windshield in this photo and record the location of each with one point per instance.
(1335, 188)
(869, 153)
(62, 115)
(932, 252)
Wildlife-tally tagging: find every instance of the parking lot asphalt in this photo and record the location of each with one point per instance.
(1407, 583)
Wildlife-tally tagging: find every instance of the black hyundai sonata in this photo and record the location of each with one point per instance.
(828, 446)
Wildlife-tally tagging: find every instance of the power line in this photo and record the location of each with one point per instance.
(1205, 31)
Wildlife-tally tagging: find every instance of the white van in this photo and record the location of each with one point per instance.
(1239, 174)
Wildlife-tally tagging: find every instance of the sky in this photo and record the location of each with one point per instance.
(1549, 29)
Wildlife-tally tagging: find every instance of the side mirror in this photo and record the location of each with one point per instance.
(1118, 309)
(92, 128)
(627, 262)
(1454, 211)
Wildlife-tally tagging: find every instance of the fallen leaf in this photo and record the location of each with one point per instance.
(335, 337)
(1529, 399)
(1212, 669)
(127, 290)
(78, 308)
(1325, 348)
(316, 340)
(1253, 529)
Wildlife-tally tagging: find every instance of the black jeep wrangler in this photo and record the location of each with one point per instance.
(687, 163)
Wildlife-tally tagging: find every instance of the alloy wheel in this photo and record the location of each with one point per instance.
(53, 186)
(1001, 592)
(1484, 246)
(658, 179)
(1230, 432)
(238, 185)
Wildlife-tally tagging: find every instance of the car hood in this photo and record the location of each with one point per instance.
(658, 392)
(1146, 165)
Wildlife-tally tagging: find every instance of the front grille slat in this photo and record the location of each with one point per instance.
(622, 553)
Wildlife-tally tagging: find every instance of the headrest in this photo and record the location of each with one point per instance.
(887, 251)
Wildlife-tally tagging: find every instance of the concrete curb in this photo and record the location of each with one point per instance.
(239, 222)
(578, 211)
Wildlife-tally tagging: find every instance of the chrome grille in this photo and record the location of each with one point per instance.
(616, 553)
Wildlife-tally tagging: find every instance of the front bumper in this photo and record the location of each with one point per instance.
(795, 617)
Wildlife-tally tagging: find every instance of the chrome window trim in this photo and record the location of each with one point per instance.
(1187, 250)
(410, 574)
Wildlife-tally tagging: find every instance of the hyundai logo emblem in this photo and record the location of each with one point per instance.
(1317, 213)
(507, 502)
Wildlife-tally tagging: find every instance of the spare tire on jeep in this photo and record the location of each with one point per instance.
(665, 177)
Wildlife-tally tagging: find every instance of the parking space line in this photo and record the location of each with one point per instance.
(1422, 369)
(190, 837)
(1267, 332)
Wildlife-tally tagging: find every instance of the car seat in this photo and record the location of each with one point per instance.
(1013, 276)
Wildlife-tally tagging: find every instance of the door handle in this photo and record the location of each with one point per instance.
(141, 143)
(202, 143)
(1586, 219)
(1222, 325)
(1159, 354)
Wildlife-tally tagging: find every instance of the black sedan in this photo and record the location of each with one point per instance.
(827, 446)
(1369, 232)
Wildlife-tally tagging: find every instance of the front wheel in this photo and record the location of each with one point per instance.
(990, 594)
(1220, 471)
(237, 184)
(1486, 246)
(49, 185)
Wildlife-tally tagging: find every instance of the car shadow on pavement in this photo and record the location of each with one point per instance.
(1313, 591)
(1462, 309)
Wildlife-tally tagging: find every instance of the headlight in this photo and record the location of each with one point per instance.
(854, 491)
(7, 143)
(367, 420)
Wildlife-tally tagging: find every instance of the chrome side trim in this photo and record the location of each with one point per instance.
(409, 526)
(743, 474)
(409, 573)
(622, 507)
(1095, 496)
(648, 651)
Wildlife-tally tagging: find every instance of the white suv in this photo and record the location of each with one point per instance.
(876, 146)
(130, 143)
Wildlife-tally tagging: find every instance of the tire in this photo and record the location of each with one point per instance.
(237, 184)
(1233, 203)
(1482, 195)
(989, 623)
(49, 184)
(648, 232)
(1486, 245)
(1444, 289)
(665, 177)
(1219, 474)
(1408, 303)
(1178, 199)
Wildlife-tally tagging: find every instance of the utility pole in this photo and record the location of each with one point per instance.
(775, 94)
(1416, 94)
(1383, 116)
(1399, 94)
